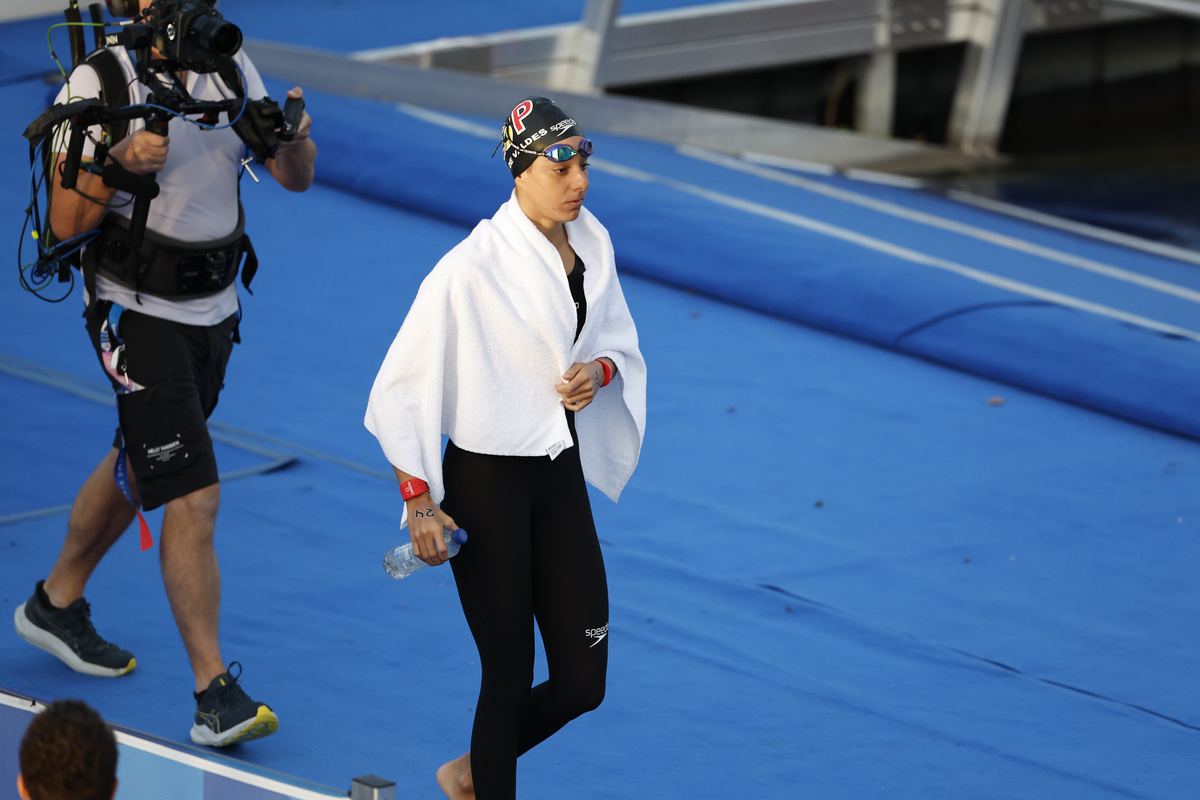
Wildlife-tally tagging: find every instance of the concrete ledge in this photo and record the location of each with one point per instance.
(663, 122)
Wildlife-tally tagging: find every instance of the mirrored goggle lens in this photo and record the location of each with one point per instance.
(561, 152)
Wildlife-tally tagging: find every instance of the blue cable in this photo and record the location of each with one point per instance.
(63, 249)
(230, 124)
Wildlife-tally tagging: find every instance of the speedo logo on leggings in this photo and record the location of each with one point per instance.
(597, 633)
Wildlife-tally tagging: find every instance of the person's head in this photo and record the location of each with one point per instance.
(68, 753)
(127, 8)
(547, 154)
(130, 9)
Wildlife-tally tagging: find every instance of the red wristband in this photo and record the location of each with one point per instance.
(411, 488)
(608, 372)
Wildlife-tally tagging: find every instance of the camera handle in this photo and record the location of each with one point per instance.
(141, 203)
(70, 174)
(293, 112)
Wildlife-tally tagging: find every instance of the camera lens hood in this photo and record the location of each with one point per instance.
(216, 35)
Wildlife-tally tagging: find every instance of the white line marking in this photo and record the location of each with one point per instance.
(885, 178)
(896, 210)
(220, 431)
(862, 240)
(1078, 228)
(794, 164)
(451, 122)
(20, 703)
(904, 253)
(32, 516)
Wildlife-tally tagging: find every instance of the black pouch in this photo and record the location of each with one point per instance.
(164, 429)
(207, 272)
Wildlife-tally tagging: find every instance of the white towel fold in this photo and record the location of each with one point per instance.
(487, 338)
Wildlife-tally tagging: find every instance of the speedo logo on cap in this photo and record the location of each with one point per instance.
(562, 126)
(520, 113)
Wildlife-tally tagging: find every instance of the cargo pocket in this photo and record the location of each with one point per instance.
(164, 428)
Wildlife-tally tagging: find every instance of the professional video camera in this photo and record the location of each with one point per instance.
(167, 38)
(191, 32)
(190, 35)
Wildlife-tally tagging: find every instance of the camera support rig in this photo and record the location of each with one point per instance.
(260, 124)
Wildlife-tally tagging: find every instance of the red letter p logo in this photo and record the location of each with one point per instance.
(519, 114)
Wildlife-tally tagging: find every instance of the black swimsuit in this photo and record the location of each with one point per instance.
(532, 554)
(575, 281)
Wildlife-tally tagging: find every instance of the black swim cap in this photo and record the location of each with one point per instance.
(534, 123)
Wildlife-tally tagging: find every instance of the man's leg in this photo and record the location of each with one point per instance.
(99, 515)
(193, 579)
(56, 618)
(225, 715)
(171, 454)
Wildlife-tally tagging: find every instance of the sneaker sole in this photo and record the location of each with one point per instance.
(47, 641)
(264, 724)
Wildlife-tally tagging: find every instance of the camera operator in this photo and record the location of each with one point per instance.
(165, 354)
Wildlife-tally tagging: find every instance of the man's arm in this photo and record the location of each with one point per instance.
(292, 165)
(76, 212)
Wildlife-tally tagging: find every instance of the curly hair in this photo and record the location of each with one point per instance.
(69, 753)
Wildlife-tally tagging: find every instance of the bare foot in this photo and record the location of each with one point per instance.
(455, 778)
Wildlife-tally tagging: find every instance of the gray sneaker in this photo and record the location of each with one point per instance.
(68, 634)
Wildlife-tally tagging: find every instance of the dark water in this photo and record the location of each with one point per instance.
(1155, 196)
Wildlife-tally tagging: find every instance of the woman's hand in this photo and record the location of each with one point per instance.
(579, 384)
(426, 523)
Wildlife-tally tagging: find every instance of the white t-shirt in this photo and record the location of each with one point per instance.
(198, 199)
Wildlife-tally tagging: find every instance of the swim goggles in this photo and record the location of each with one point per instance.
(559, 153)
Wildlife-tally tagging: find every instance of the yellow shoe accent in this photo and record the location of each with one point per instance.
(264, 724)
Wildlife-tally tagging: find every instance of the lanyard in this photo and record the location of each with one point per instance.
(111, 359)
(122, 479)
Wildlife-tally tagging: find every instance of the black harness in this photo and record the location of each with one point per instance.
(162, 266)
(167, 267)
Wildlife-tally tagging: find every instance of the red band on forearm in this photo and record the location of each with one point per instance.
(608, 371)
(411, 488)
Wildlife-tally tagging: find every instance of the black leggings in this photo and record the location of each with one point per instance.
(532, 553)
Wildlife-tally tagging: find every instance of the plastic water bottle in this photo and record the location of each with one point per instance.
(400, 561)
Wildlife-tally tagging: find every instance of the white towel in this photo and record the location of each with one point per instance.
(487, 338)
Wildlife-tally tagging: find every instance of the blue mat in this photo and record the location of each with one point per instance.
(838, 571)
(370, 24)
(804, 257)
(24, 55)
(984, 597)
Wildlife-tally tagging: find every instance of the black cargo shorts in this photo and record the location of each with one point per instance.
(181, 369)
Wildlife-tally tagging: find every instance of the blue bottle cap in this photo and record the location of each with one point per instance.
(459, 536)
